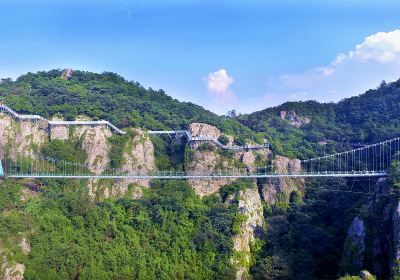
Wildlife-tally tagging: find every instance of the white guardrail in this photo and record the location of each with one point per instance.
(202, 138)
(5, 108)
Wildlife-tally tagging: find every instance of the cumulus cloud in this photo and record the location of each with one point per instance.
(219, 81)
(218, 84)
(350, 73)
(381, 47)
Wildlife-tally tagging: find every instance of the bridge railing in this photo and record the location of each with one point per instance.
(5, 108)
(201, 138)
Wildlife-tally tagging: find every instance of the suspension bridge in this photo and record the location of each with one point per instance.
(369, 161)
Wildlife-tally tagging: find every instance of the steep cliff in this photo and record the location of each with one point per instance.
(95, 144)
(138, 157)
(22, 138)
(61, 132)
(208, 158)
(250, 211)
(26, 138)
(203, 129)
(354, 248)
(11, 270)
(280, 189)
(396, 235)
(373, 238)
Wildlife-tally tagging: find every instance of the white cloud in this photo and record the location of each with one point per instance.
(376, 58)
(218, 82)
(381, 47)
(350, 73)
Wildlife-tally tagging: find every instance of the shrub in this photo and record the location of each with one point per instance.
(223, 139)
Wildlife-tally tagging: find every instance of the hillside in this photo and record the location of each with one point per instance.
(367, 118)
(108, 96)
(276, 228)
(370, 117)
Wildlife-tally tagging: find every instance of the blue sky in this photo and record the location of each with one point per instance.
(243, 55)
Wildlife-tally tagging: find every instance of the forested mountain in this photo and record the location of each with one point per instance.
(108, 96)
(245, 229)
(367, 118)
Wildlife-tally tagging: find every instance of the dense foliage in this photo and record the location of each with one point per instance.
(108, 96)
(305, 241)
(170, 233)
(366, 118)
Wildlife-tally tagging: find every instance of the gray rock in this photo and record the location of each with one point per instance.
(354, 248)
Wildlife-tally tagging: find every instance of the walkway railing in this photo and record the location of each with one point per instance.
(202, 138)
(5, 109)
(184, 175)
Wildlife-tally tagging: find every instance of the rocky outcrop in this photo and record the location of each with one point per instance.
(366, 275)
(250, 206)
(94, 141)
(205, 162)
(396, 235)
(25, 246)
(281, 188)
(203, 129)
(12, 271)
(67, 73)
(137, 158)
(208, 158)
(95, 144)
(379, 244)
(213, 160)
(27, 137)
(248, 158)
(380, 207)
(21, 138)
(354, 248)
(293, 118)
(60, 132)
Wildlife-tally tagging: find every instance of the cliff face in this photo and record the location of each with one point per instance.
(208, 158)
(26, 138)
(138, 157)
(354, 248)
(281, 188)
(293, 118)
(60, 132)
(206, 162)
(373, 240)
(203, 129)
(21, 138)
(396, 233)
(379, 238)
(95, 144)
(11, 270)
(250, 206)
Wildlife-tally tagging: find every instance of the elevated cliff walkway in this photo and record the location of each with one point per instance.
(201, 138)
(5, 109)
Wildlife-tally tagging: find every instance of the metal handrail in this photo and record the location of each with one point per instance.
(4, 108)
